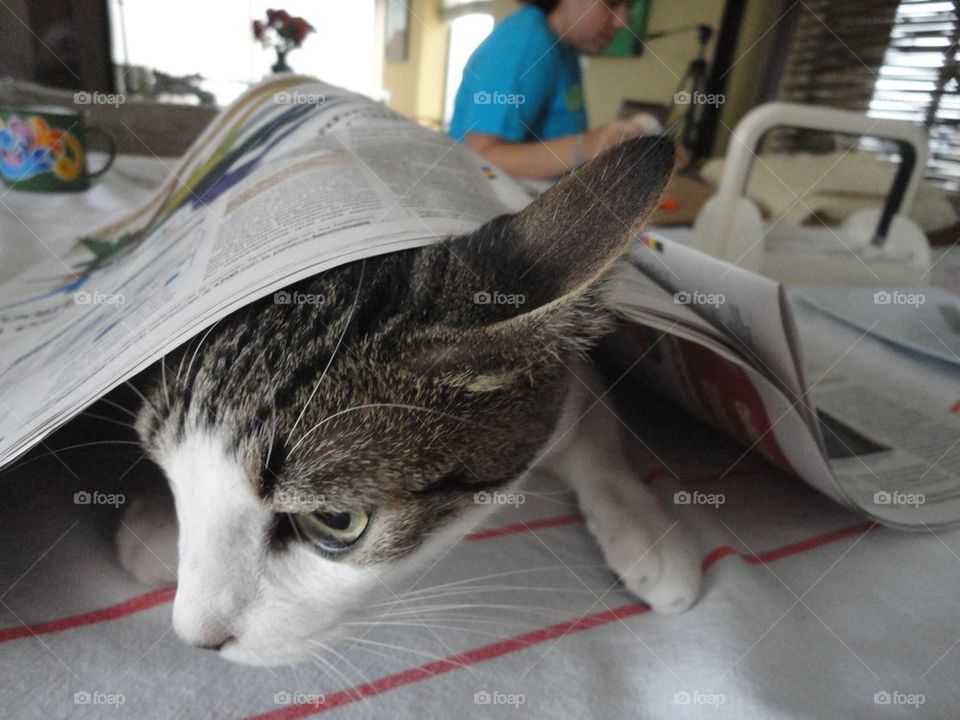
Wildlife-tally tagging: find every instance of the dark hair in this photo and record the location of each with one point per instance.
(547, 6)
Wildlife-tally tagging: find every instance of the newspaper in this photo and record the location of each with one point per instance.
(723, 343)
(298, 176)
(293, 178)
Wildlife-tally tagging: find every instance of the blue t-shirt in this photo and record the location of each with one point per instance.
(521, 84)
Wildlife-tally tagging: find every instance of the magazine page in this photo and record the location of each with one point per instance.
(644, 301)
(865, 429)
(747, 308)
(890, 420)
(720, 386)
(294, 178)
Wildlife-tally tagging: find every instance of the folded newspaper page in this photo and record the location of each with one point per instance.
(293, 178)
(723, 344)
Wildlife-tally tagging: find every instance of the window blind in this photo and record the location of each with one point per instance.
(919, 80)
(889, 58)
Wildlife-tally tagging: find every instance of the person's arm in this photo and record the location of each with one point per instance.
(536, 160)
(549, 158)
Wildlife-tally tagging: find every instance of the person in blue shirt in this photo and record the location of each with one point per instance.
(520, 104)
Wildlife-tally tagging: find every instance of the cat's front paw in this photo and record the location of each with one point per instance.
(147, 541)
(674, 585)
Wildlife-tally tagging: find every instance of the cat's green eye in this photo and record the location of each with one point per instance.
(334, 531)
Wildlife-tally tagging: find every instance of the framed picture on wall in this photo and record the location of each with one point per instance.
(626, 42)
(397, 31)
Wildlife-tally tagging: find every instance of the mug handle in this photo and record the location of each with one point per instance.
(111, 148)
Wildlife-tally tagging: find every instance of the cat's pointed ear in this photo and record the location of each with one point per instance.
(571, 233)
(512, 288)
(567, 237)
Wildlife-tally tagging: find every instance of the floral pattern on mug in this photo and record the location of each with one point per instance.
(31, 147)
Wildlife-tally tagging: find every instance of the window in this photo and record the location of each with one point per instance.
(889, 58)
(466, 33)
(919, 80)
(214, 39)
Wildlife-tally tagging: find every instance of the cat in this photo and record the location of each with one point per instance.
(314, 448)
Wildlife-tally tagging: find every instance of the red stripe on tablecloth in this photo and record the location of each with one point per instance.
(794, 549)
(955, 407)
(525, 527)
(127, 607)
(648, 478)
(811, 543)
(521, 642)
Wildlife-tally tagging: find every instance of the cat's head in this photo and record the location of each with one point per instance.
(319, 447)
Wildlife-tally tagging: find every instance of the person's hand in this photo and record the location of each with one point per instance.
(610, 135)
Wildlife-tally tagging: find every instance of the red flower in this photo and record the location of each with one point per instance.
(278, 18)
(290, 31)
(299, 29)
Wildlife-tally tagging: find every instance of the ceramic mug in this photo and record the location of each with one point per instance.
(43, 149)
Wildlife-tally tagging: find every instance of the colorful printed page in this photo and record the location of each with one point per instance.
(294, 178)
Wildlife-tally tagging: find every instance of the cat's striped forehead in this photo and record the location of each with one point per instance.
(366, 398)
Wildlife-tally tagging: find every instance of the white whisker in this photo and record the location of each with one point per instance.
(104, 418)
(146, 403)
(469, 589)
(380, 653)
(336, 349)
(542, 568)
(390, 646)
(330, 668)
(432, 625)
(429, 617)
(536, 609)
(197, 349)
(342, 657)
(163, 379)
